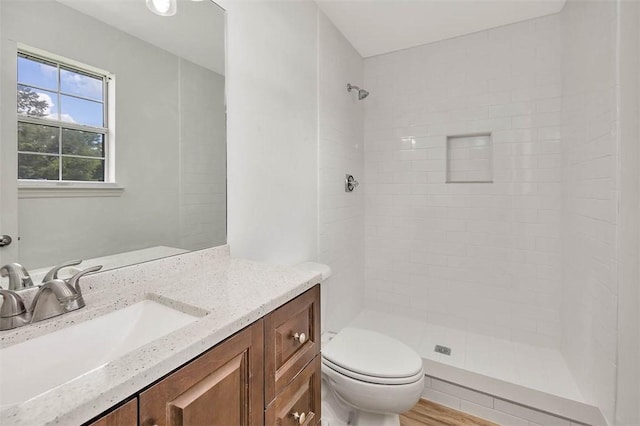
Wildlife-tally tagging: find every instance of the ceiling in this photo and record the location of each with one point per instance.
(375, 27)
(196, 32)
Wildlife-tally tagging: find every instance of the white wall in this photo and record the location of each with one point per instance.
(485, 257)
(272, 93)
(628, 360)
(341, 151)
(591, 196)
(8, 186)
(148, 132)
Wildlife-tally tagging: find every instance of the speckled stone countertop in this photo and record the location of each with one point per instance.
(227, 293)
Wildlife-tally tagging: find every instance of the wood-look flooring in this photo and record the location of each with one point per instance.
(431, 414)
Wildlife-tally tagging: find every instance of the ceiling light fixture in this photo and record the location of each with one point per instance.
(163, 7)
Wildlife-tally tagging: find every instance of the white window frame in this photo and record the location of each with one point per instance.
(34, 188)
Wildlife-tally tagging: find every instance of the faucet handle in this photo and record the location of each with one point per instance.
(12, 311)
(74, 280)
(53, 273)
(12, 304)
(18, 276)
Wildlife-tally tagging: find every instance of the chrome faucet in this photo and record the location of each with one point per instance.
(18, 276)
(57, 297)
(54, 297)
(53, 273)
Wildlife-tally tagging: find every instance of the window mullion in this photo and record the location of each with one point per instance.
(105, 138)
(59, 128)
(60, 153)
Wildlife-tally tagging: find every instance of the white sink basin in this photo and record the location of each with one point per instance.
(33, 367)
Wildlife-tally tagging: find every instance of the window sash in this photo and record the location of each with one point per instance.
(59, 155)
(59, 64)
(64, 124)
(55, 154)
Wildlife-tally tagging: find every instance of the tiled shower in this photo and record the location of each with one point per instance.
(493, 180)
(490, 252)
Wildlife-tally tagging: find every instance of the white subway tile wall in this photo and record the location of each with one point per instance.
(591, 192)
(341, 214)
(485, 257)
(203, 168)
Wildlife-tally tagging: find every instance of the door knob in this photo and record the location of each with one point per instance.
(5, 240)
(300, 417)
(300, 337)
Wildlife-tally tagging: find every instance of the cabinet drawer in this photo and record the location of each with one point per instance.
(292, 339)
(125, 415)
(222, 387)
(299, 403)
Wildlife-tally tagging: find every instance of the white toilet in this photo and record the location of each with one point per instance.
(377, 376)
(368, 378)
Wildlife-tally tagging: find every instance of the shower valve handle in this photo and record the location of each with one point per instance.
(350, 183)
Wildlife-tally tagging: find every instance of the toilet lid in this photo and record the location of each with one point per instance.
(372, 354)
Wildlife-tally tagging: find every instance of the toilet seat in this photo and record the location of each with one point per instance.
(373, 379)
(372, 357)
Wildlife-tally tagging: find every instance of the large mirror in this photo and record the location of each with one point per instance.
(113, 130)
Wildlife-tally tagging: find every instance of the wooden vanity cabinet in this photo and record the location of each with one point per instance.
(223, 387)
(268, 373)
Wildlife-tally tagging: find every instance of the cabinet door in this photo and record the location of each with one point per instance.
(126, 415)
(299, 403)
(292, 339)
(223, 387)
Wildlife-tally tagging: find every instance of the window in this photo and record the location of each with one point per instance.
(63, 131)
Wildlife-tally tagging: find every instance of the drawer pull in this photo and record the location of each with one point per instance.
(300, 417)
(300, 337)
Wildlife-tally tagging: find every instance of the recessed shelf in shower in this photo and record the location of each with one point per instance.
(470, 158)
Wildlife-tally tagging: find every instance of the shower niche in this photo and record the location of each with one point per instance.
(470, 158)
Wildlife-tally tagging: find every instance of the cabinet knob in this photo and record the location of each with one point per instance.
(301, 337)
(300, 417)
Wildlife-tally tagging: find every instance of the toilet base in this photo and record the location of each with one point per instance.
(336, 413)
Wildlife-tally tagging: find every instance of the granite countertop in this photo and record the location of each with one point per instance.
(225, 292)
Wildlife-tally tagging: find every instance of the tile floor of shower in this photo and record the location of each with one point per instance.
(533, 376)
(538, 368)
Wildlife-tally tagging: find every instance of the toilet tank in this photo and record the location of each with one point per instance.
(325, 272)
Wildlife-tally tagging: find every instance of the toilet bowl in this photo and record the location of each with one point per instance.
(372, 378)
(368, 378)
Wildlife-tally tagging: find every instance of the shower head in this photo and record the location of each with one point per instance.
(361, 92)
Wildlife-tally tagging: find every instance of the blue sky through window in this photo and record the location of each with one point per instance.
(37, 74)
(72, 109)
(78, 84)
